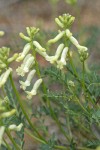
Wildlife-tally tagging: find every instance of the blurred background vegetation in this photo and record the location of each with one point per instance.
(15, 15)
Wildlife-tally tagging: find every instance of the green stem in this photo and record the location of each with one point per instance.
(78, 79)
(37, 139)
(83, 76)
(23, 110)
(8, 147)
(60, 147)
(12, 140)
(73, 67)
(58, 123)
(84, 148)
(82, 106)
(34, 137)
(69, 127)
(78, 101)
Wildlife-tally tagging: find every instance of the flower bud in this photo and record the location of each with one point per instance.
(83, 52)
(65, 21)
(24, 37)
(59, 23)
(31, 31)
(28, 31)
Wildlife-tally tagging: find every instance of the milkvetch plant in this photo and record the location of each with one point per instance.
(74, 109)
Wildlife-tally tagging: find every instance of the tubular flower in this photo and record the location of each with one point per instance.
(74, 41)
(53, 59)
(62, 61)
(26, 38)
(2, 129)
(34, 89)
(4, 77)
(82, 50)
(22, 55)
(12, 58)
(57, 38)
(13, 127)
(7, 114)
(43, 54)
(38, 46)
(26, 65)
(28, 80)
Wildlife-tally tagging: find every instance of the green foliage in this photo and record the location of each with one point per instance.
(50, 145)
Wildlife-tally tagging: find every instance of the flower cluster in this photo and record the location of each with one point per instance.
(28, 62)
(31, 31)
(65, 21)
(4, 56)
(4, 61)
(60, 58)
(26, 67)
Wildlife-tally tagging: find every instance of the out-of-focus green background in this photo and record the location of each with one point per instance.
(15, 15)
